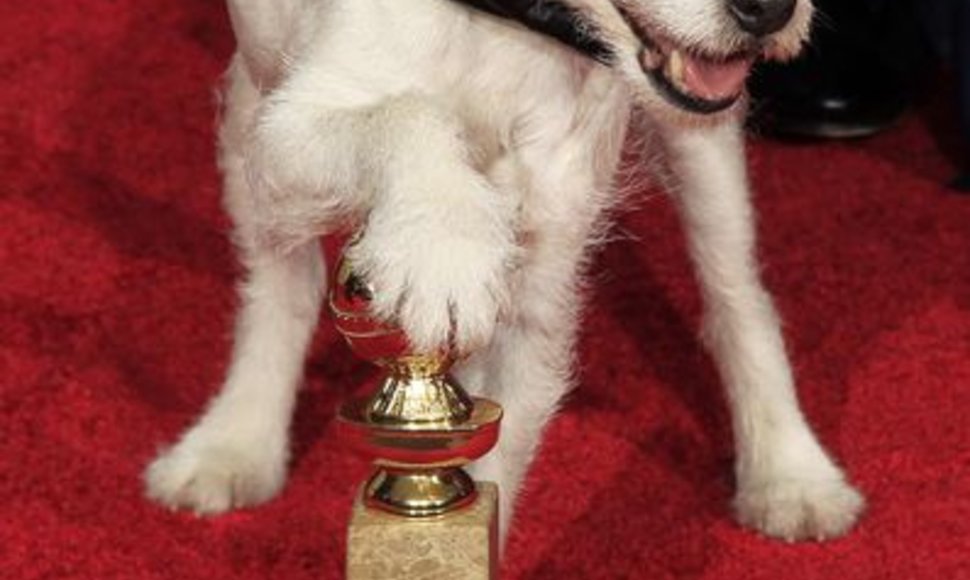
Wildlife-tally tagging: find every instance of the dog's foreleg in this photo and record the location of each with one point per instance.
(236, 453)
(788, 487)
(437, 239)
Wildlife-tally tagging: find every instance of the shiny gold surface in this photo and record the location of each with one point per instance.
(420, 493)
(421, 445)
(417, 399)
(419, 426)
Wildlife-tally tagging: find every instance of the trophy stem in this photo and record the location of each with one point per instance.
(418, 400)
(423, 493)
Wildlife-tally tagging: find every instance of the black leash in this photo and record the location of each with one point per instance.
(552, 18)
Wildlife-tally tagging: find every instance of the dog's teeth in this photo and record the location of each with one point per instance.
(675, 67)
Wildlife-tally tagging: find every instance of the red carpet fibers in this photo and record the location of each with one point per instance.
(116, 296)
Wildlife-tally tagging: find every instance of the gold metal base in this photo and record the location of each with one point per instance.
(420, 493)
(419, 465)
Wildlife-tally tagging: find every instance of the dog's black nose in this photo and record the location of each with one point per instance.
(762, 17)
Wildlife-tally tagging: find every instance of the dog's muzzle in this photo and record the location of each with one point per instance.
(689, 79)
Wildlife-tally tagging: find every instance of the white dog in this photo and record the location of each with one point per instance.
(480, 155)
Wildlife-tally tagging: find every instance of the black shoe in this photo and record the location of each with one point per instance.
(826, 95)
(843, 86)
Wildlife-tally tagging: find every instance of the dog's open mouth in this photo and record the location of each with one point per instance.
(690, 79)
(699, 84)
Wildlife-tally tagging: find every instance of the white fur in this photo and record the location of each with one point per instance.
(480, 157)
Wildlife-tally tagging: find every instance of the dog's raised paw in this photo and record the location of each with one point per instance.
(213, 479)
(800, 509)
(449, 291)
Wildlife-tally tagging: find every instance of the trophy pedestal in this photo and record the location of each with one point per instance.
(420, 516)
(461, 545)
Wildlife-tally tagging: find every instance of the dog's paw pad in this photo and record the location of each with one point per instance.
(212, 480)
(794, 510)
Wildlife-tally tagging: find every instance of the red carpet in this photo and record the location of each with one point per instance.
(116, 296)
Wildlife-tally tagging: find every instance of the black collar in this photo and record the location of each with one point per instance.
(552, 18)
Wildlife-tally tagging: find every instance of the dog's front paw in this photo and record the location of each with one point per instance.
(445, 288)
(211, 477)
(800, 509)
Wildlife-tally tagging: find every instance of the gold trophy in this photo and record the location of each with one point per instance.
(420, 428)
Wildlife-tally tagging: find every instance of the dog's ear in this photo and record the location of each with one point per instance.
(552, 18)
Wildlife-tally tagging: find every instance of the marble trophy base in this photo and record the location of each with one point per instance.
(458, 546)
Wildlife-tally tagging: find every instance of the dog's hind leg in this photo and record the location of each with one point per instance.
(528, 367)
(236, 454)
(788, 487)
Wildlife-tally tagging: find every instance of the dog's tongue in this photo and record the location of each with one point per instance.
(715, 81)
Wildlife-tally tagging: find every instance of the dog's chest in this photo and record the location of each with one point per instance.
(526, 100)
(534, 113)
(508, 85)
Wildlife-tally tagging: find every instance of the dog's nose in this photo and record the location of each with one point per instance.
(762, 17)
